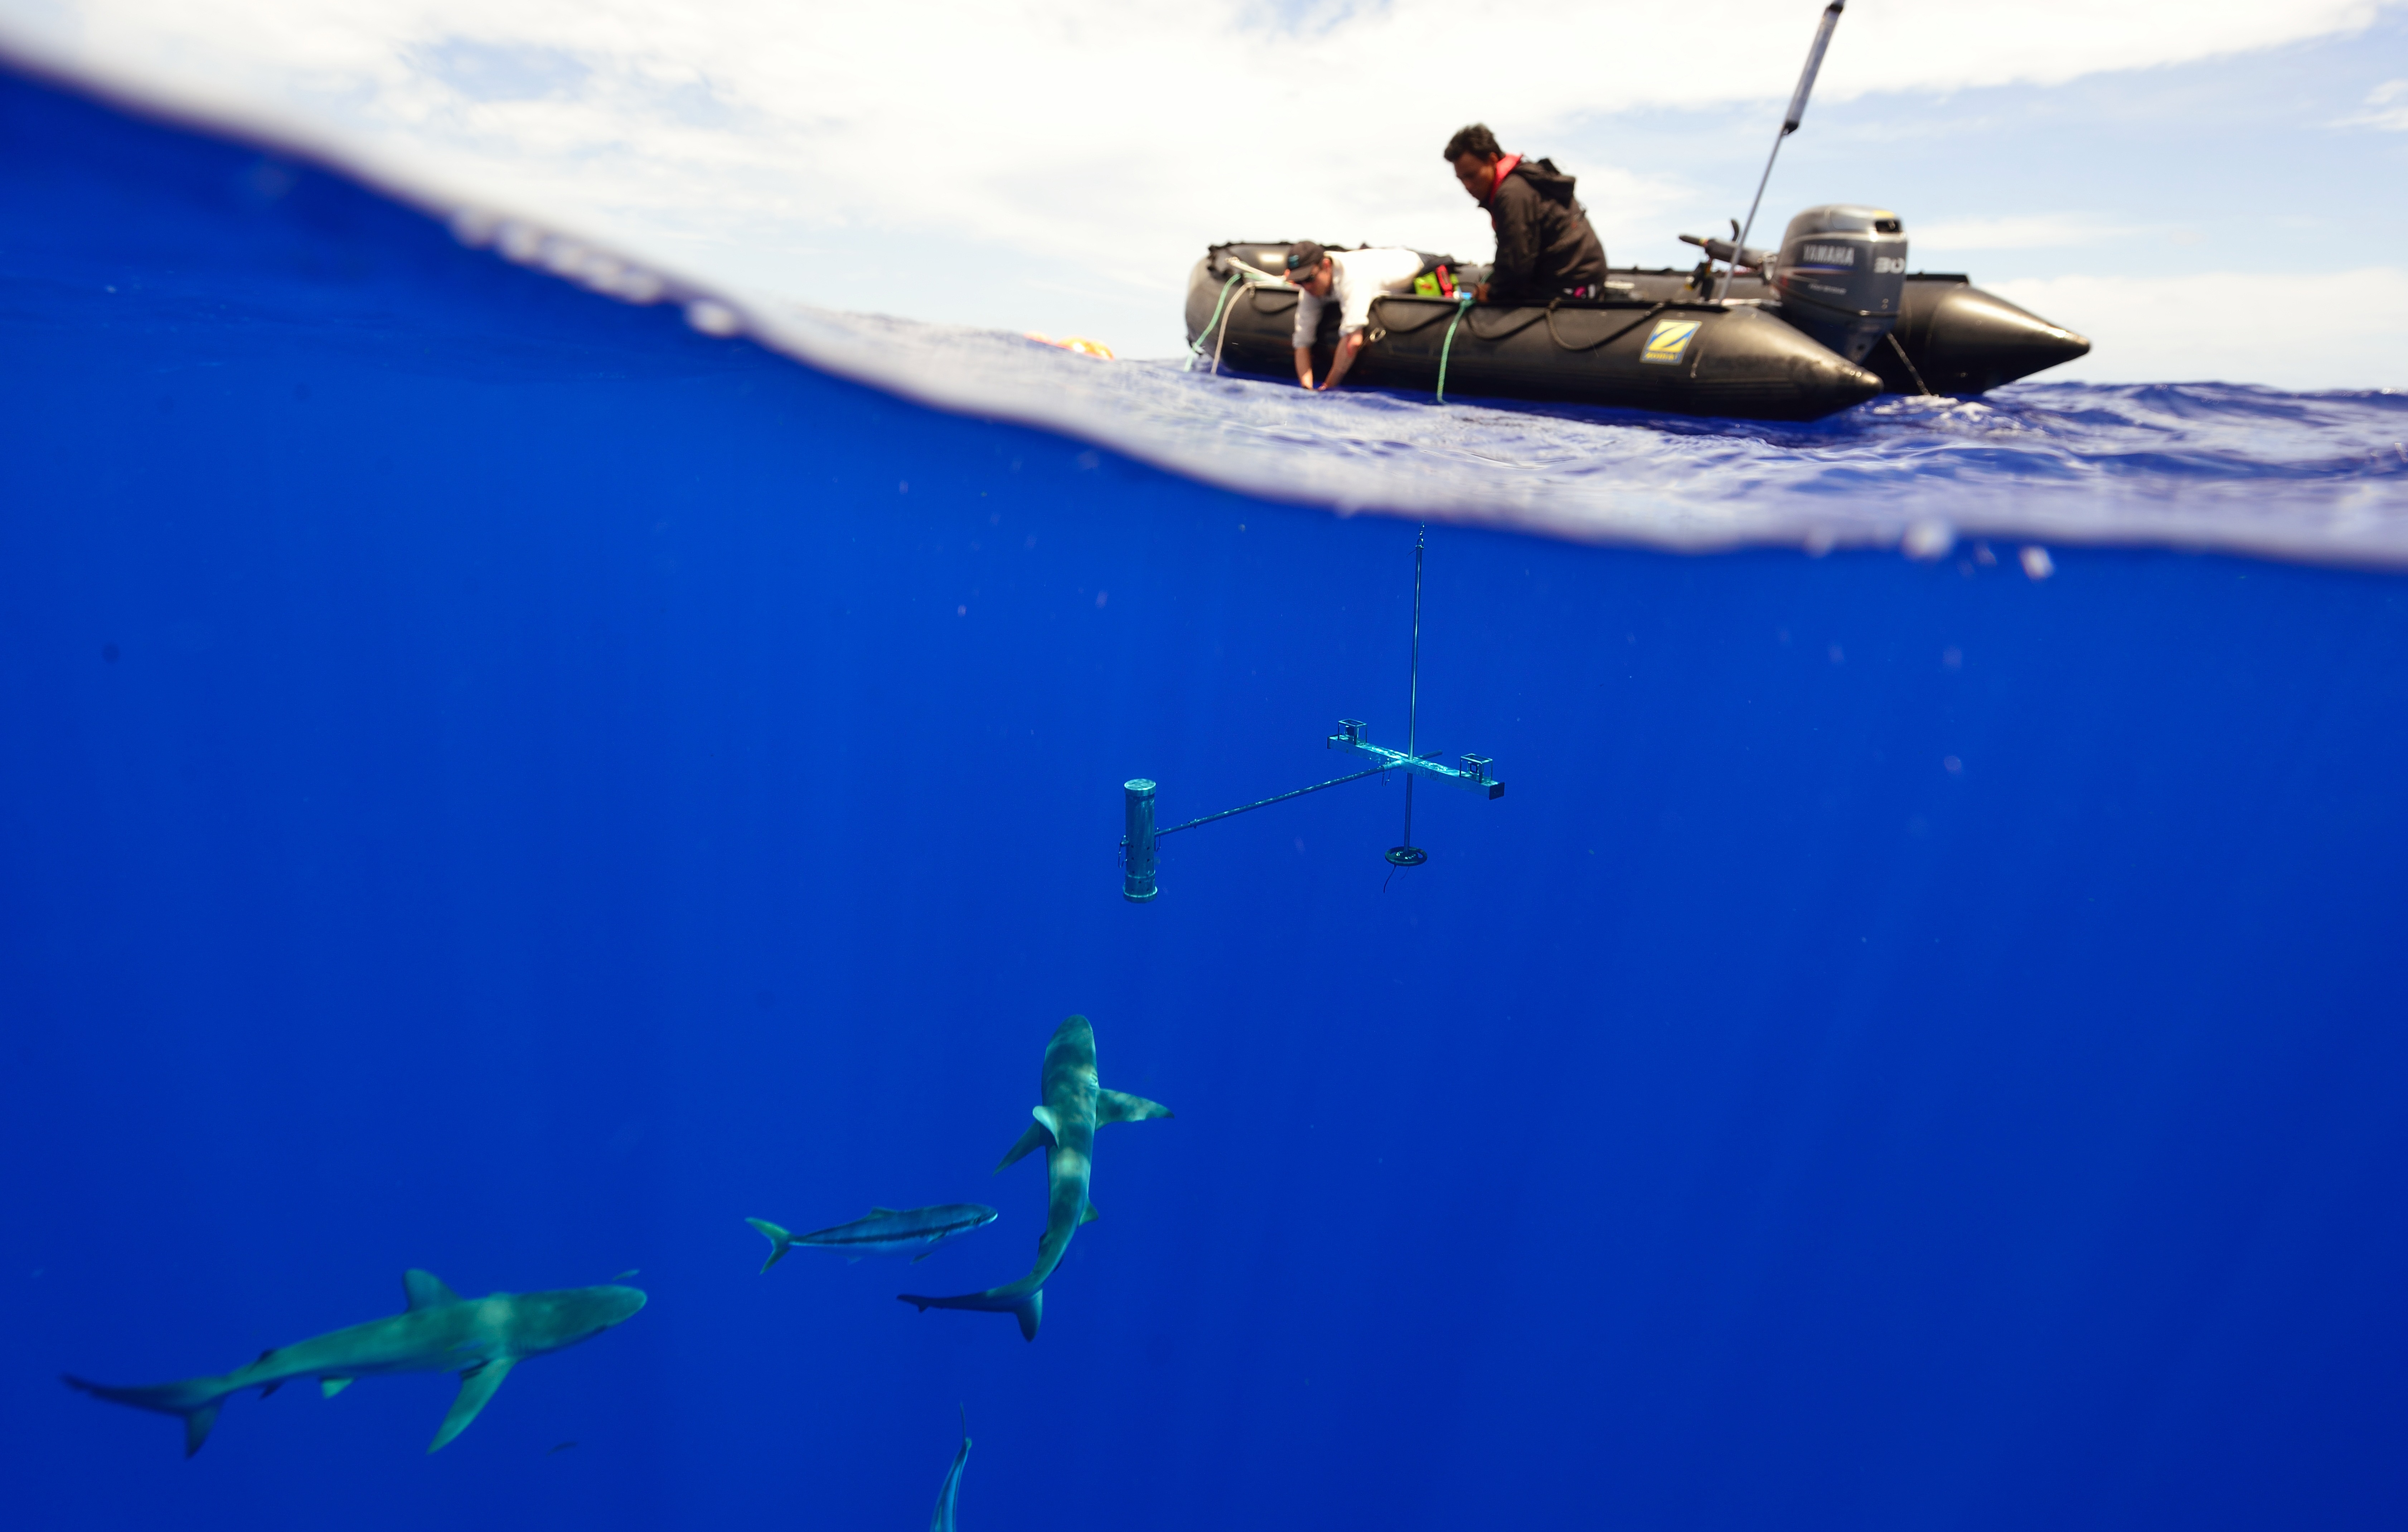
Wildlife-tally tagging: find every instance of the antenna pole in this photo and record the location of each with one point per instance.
(1789, 121)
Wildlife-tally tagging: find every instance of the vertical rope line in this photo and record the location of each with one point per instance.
(1462, 307)
(1414, 687)
(1413, 692)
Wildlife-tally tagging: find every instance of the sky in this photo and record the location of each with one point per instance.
(2208, 189)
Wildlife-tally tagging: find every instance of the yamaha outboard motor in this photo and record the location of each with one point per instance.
(1842, 275)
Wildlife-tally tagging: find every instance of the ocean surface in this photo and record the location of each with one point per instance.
(514, 764)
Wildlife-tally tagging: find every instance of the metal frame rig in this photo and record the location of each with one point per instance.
(1139, 834)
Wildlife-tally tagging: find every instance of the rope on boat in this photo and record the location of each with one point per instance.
(1462, 307)
(1195, 347)
(1920, 386)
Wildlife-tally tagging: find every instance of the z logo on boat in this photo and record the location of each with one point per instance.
(1670, 339)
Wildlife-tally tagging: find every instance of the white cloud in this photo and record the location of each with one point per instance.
(2386, 107)
(900, 157)
(2231, 327)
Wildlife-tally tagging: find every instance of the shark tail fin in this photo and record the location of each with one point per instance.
(1028, 1308)
(780, 1240)
(197, 1399)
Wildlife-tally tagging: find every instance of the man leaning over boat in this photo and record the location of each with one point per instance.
(1546, 248)
(1352, 279)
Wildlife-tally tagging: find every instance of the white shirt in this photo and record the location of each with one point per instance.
(1356, 278)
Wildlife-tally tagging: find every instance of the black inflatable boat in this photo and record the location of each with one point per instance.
(1830, 320)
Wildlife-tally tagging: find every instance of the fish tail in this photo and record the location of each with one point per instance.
(780, 1240)
(196, 1399)
(1027, 1307)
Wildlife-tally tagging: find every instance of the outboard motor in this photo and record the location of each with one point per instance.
(1842, 275)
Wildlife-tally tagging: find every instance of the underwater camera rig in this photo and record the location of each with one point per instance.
(1138, 836)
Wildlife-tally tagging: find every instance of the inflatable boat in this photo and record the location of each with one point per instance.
(1830, 320)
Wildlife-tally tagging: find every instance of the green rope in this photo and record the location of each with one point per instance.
(1195, 347)
(1462, 307)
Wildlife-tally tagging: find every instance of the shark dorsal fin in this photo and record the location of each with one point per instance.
(881, 1213)
(426, 1289)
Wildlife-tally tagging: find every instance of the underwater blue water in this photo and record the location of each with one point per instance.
(502, 780)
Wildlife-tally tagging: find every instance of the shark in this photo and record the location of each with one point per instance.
(950, 1492)
(479, 1339)
(884, 1232)
(1074, 1103)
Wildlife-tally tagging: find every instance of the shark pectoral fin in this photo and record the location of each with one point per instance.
(426, 1289)
(1030, 1314)
(1121, 1107)
(1090, 1215)
(196, 1426)
(329, 1387)
(477, 1385)
(1040, 1135)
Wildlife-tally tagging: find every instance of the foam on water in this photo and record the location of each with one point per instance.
(2320, 477)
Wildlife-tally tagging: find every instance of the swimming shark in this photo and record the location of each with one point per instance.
(884, 1232)
(1075, 1104)
(479, 1339)
(951, 1491)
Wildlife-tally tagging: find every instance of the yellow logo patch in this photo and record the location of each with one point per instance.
(1671, 338)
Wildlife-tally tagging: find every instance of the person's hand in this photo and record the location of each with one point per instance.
(1480, 293)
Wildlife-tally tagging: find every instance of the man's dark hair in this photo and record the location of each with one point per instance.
(1475, 140)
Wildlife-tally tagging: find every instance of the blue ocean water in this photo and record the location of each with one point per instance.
(512, 782)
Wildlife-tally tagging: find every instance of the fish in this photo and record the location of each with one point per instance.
(885, 1232)
(951, 1491)
(479, 1339)
(1074, 1104)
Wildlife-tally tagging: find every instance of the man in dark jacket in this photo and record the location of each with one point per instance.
(1544, 246)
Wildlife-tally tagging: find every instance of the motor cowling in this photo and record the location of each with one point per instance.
(1841, 276)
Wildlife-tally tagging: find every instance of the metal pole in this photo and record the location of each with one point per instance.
(1740, 247)
(1789, 121)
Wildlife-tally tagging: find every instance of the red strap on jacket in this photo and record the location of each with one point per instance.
(1504, 168)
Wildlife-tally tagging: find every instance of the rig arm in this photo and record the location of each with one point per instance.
(1473, 773)
(1265, 803)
